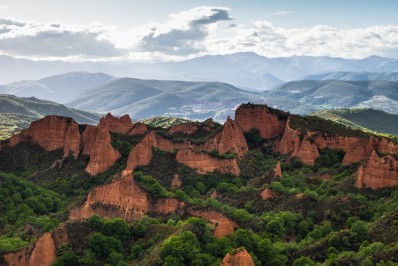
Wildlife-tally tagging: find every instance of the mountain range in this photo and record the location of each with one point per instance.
(244, 70)
(17, 113)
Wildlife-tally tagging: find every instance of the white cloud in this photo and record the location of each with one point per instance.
(282, 13)
(269, 40)
(4, 7)
(191, 33)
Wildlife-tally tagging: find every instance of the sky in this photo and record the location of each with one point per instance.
(137, 30)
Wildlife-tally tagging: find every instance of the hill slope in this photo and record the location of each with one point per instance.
(58, 88)
(17, 113)
(145, 98)
(353, 76)
(332, 94)
(370, 119)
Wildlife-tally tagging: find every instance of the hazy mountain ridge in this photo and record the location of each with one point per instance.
(17, 113)
(332, 94)
(59, 88)
(243, 70)
(364, 119)
(145, 98)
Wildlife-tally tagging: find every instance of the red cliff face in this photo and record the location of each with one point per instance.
(141, 154)
(378, 172)
(230, 139)
(120, 125)
(122, 198)
(138, 129)
(96, 142)
(240, 257)
(261, 118)
(278, 169)
(225, 225)
(52, 133)
(42, 253)
(204, 163)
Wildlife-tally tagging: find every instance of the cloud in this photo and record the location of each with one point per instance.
(183, 34)
(4, 7)
(266, 39)
(188, 34)
(282, 13)
(54, 40)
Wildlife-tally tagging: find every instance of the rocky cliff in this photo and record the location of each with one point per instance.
(378, 172)
(52, 133)
(42, 253)
(260, 117)
(240, 257)
(120, 125)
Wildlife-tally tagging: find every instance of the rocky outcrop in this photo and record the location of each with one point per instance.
(42, 253)
(189, 154)
(186, 129)
(278, 169)
(230, 139)
(176, 182)
(121, 198)
(378, 172)
(204, 163)
(52, 133)
(225, 225)
(141, 154)
(120, 125)
(269, 124)
(96, 143)
(138, 129)
(267, 194)
(240, 257)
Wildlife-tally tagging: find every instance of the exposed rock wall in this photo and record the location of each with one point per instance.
(52, 133)
(42, 253)
(225, 225)
(204, 163)
(240, 257)
(378, 172)
(120, 125)
(261, 118)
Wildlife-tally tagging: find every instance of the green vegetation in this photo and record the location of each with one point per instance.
(369, 120)
(11, 124)
(164, 121)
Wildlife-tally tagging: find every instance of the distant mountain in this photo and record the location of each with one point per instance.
(364, 119)
(146, 98)
(332, 94)
(244, 70)
(365, 76)
(58, 88)
(17, 113)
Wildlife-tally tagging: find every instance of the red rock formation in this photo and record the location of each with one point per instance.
(186, 128)
(240, 257)
(290, 142)
(225, 225)
(141, 154)
(261, 118)
(120, 125)
(122, 198)
(387, 146)
(43, 253)
(96, 142)
(230, 139)
(267, 194)
(378, 172)
(138, 129)
(52, 133)
(278, 169)
(308, 152)
(204, 163)
(176, 182)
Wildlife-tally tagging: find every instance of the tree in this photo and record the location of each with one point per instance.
(103, 245)
(117, 228)
(304, 261)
